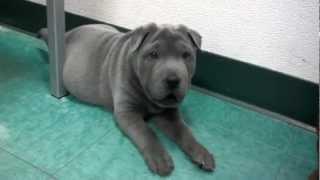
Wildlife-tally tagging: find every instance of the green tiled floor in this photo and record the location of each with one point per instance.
(44, 138)
(12, 167)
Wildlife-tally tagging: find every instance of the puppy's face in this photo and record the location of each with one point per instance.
(165, 63)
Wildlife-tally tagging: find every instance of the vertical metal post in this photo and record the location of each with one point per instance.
(56, 30)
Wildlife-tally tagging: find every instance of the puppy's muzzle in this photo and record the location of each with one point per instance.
(172, 82)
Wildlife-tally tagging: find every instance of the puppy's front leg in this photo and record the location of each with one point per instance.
(157, 158)
(173, 125)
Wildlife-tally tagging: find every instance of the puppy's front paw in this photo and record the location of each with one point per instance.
(203, 158)
(159, 162)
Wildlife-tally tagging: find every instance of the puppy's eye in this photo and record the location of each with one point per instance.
(186, 55)
(154, 54)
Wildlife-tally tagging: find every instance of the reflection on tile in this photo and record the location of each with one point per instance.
(76, 131)
(22, 87)
(13, 168)
(51, 147)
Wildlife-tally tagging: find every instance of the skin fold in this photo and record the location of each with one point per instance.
(140, 74)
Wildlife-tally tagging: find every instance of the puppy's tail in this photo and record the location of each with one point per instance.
(43, 34)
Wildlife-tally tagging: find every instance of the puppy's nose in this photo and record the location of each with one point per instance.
(172, 82)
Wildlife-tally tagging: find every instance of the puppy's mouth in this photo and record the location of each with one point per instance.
(170, 100)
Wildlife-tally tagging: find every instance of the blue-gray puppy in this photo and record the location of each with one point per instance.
(140, 74)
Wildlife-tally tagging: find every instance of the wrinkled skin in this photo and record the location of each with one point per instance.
(139, 74)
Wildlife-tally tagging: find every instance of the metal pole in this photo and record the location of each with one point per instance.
(56, 30)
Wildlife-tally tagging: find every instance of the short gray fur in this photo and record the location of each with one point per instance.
(142, 74)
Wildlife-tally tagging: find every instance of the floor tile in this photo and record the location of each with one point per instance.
(12, 168)
(77, 130)
(51, 145)
(304, 144)
(295, 168)
(237, 157)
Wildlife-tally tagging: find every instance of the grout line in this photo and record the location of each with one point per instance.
(29, 163)
(275, 116)
(82, 151)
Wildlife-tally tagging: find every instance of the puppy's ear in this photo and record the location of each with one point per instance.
(193, 35)
(139, 35)
(195, 38)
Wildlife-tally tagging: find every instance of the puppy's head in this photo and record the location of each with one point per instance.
(164, 61)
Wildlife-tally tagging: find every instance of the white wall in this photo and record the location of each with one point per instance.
(277, 34)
